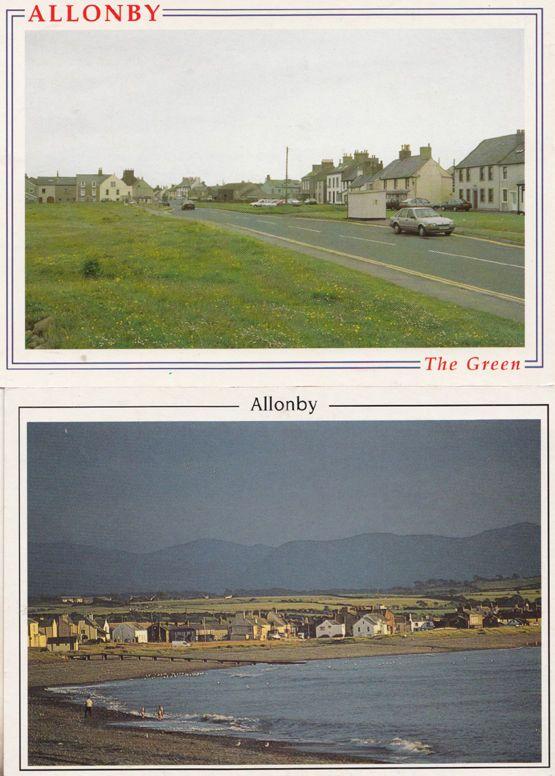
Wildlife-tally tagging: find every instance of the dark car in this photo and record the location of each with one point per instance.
(455, 204)
(188, 205)
(421, 220)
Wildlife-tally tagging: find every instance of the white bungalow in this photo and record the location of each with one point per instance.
(129, 633)
(370, 625)
(330, 629)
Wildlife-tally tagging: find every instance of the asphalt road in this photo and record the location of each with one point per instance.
(480, 274)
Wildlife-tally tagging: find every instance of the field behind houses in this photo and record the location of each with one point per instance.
(424, 601)
(116, 276)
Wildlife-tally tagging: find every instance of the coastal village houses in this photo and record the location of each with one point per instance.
(275, 188)
(411, 176)
(370, 625)
(341, 178)
(491, 177)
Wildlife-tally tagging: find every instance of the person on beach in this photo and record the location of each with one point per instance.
(160, 712)
(88, 706)
(142, 712)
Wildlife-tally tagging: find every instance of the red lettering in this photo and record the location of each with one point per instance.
(134, 12)
(152, 11)
(95, 8)
(115, 13)
(70, 17)
(35, 13)
(52, 14)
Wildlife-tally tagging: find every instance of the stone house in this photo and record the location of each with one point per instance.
(30, 189)
(88, 190)
(55, 189)
(113, 189)
(370, 625)
(129, 633)
(491, 177)
(275, 188)
(245, 627)
(413, 176)
(330, 629)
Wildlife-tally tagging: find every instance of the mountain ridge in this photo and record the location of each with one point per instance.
(364, 561)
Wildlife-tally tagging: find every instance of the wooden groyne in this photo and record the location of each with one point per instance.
(184, 658)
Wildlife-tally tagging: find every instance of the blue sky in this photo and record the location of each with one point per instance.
(224, 104)
(143, 486)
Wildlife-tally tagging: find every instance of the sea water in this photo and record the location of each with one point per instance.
(467, 707)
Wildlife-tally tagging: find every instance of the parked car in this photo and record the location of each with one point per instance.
(188, 205)
(311, 201)
(455, 204)
(422, 220)
(264, 203)
(294, 202)
(415, 202)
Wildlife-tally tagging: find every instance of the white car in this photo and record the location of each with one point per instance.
(264, 203)
(294, 202)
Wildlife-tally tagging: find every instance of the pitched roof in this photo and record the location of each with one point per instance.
(507, 149)
(403, 168)
(88, 178)
(56, 180)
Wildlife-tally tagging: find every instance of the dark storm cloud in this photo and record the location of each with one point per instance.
(143, 486)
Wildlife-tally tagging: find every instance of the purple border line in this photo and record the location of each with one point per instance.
(290, 365)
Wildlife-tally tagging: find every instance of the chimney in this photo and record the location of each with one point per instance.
(100, 170)
(327, 164)
(361, 156)
(520, 132)
(347, 158)
(128, 177)
(267, 178)
(405, 153)
(316, 167)
(425, 152)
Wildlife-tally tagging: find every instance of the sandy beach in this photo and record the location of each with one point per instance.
(58, 733)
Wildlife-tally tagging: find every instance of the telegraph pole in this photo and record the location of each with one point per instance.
(286, 174)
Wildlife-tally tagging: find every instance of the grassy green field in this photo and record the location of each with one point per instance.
(507, 227)
(300, 603)
(116, 276)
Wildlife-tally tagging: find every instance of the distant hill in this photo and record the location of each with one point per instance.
(366, 561)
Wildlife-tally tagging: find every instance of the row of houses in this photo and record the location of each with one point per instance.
(64, 632)
(86, 187)
(490, 177)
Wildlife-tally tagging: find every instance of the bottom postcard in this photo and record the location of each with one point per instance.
(286, 579)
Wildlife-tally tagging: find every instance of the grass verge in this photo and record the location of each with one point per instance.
(115, 276)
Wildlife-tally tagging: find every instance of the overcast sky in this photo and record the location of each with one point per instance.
(224, 104)
(144, 486)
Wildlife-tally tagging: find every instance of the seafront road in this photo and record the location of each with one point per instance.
(480, 274)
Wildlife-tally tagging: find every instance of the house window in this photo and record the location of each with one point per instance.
(504, 173)
(461, 194)
(468, 195)
(94, 184)
(461, 175)
(504, 195)
(468, 173)
(395, 183)
(490, 173)
(43, 191)
(117, 191)
(107, 192)
(490, 195)
(113, 184)
(407, 182)
(482, 173)
(482, 195)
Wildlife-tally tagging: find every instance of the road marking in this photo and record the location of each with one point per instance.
(395, 267)
(365, 239)
(485, 239)
(475, 258)
(304, 228)
(262, 221)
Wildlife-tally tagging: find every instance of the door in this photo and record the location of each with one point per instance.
(409, 223)
(514, 204)
(475, 200)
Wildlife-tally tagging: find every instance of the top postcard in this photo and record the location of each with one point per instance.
(315, 193)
